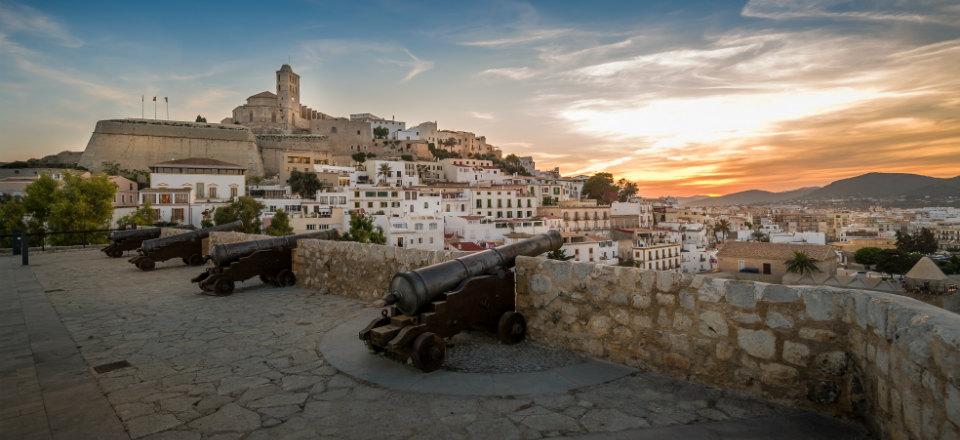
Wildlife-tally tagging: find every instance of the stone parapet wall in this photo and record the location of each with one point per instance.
(355, 270)
(225, 237)
(890, 360)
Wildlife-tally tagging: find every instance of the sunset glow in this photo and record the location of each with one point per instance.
(688, 98)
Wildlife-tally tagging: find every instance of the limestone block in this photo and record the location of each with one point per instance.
(795, 353)
(833, 363)
(952, 403)
(820, 304)
(640, 301)
(746, 318)
(819, 335)
(713, 324)
(666, 299)
(778, 374)
(742, 294)
(712, 290)
(776, 293)
(778, 320)
(599, 325)
(757, 343)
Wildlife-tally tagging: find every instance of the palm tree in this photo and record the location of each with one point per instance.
(801, 263)
(723, 227)
(385, 171)
(759, 235)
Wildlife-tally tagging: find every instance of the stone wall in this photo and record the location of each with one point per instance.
(361, 271)
(890, 360)
(139, 143)
(224, 237)
(272, 147)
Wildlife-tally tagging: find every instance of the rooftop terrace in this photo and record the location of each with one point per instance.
(94, 348)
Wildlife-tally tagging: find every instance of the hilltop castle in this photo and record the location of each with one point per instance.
(270, 126)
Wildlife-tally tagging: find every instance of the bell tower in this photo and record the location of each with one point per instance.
(288, 93)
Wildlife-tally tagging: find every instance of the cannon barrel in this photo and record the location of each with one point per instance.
(157, 243)
(145, 233)
(223, 254)
(414, 289)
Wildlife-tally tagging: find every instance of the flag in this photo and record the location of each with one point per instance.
(165, 99)
(154, 99)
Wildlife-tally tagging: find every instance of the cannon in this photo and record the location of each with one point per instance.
(128, 240)
(186, 246)
(473, 292)
(270, 258)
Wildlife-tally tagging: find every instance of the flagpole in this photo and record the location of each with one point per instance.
(154, 108)
(141, 106)
(166, 102)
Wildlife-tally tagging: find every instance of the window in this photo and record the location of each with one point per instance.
(176, 215)
(233, 192)
(766, 268)
(213, 192)
(311, 227)
(200, 193)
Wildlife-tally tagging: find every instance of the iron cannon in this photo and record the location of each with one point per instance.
(186, 246)
(476, 292)
(270, 258)
(128, 240)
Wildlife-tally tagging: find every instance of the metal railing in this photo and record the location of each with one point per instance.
(45, 239)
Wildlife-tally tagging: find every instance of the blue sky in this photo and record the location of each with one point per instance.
(685, 97)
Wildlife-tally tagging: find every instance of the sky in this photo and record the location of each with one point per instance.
(684, 97)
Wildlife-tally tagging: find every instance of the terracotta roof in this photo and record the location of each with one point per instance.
(468, 246)
(201, 162)
(774, 251)
(926, 270)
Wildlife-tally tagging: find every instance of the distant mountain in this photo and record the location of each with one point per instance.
(754, 197)
(900, 188)
(877, 186)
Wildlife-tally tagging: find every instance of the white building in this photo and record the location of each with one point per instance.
(396, 173)
(643, 212)
(471, 171)
(478, 229)
(414, 232)
(502, 201)
(798, 237)
(590, 249)
(375, 121)
(186, 191)
(344, 176)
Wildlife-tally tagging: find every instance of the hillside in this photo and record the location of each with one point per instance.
(900, 188)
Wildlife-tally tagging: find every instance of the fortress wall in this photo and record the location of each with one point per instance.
(890, 360)
(356, 270)
(138, 143)
(272, 147)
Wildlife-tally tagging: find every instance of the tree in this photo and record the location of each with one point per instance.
(82, 204)
(801, 263)
(924, 242)
(201, 119)
(548, 201)
(305, 184)
(246, 209)
(559, 254)
(384, 172)
(893, 261)
(758, 235)
(39, 198)
(143, 216)
(868, 256)
(279, 225)
(723, 227)
(627, 189)
(362, 229)
(951, 266)
(254, 180)
(440, 153)
(380, 132)
(359, 157)
(11, 219)
(406, 157)
(600, 187)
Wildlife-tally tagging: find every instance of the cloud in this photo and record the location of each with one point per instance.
(514, 73)
(916, 11)
(325, 49)
(21, 19)
(523, 37)
(483, 115)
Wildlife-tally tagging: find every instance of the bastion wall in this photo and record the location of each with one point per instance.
(889, 360)
(139, 143)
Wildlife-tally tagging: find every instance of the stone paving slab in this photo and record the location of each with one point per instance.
(343, 350)
(249, 366)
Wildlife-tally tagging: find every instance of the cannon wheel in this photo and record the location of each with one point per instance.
(512, 328)
(286, 278)
(428, 352)
(194, 260)
(223, 287)
(115, 253)
(146, 264)
(266, 279)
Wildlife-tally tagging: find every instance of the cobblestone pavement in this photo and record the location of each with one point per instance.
(247, 366)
